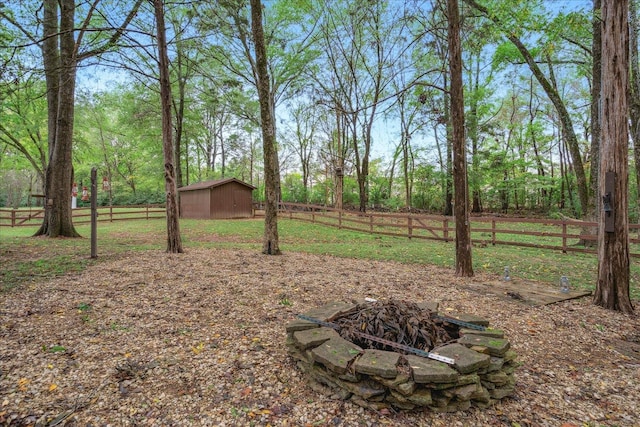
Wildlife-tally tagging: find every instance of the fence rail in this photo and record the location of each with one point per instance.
(30, 217)
(564, 235)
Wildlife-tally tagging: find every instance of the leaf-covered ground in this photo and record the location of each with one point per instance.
(199, 339)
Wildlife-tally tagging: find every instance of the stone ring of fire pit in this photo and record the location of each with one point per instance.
(483, 372)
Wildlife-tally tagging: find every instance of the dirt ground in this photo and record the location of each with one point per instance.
(199, 339)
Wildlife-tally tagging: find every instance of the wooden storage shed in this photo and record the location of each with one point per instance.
(218, 199)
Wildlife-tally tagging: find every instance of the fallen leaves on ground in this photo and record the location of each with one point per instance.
(199, 339)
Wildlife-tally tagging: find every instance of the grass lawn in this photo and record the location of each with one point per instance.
(24, 258)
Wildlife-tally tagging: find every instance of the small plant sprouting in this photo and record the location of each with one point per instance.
(54, 349)
(83, 307)
(284, 300)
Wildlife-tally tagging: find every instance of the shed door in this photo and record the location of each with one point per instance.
(235, 194)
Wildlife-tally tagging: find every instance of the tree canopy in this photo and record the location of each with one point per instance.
(370, 76)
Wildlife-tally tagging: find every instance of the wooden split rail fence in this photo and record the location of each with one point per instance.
(34, 216)
(564, 235)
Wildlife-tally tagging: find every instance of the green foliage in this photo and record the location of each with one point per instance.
(117, 126)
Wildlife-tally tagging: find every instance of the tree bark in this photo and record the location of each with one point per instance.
(270, 245)
(339, 167)
(174, 241)
(448, 183)
(58, 219)
(464, 266)
(612, 288)
(596, 86)
(634, 99)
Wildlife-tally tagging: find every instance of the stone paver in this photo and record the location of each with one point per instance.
(313, 337)
(377, 362)
(496, 346)
(466, 359)
(431, 371)
(336, 354)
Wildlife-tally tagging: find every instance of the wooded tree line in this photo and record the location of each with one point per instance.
(360, 91)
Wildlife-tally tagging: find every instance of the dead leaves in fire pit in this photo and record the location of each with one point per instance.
(398, 321)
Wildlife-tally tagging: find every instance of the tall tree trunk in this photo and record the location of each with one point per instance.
(596, 86)
(464, 266)
(270, 243)
(174, 241)
(448, 190)
(62, 80)
(339, 167)
(612, 289)
(179, 106)
(473, 131)
(536, 151)
(634, 100)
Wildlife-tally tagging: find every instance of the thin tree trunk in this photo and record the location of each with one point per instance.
(339, 168)
(612, 288)
(270, 245)
(464, 266)
(174, 241)
(448, 191)
(473, 132)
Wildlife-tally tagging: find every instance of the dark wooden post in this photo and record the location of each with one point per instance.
(94, 213)
(493, 232)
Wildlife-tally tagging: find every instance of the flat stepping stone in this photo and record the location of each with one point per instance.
(466, 359)
(377, 362)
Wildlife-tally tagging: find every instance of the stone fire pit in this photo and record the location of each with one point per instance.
(481, 375)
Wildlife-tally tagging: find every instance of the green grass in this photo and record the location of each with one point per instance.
(25, 259)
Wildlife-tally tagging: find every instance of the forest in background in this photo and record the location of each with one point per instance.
(359, 90)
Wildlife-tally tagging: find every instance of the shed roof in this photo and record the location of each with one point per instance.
(213, 183)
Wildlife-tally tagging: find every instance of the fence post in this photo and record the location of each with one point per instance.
(445, 229)
(410, 226)
(564, 236)
(493, 232)
(110, 213)
(371, 223)
(94, 213)
(13, 218)
(340, 219)
(147, 211)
